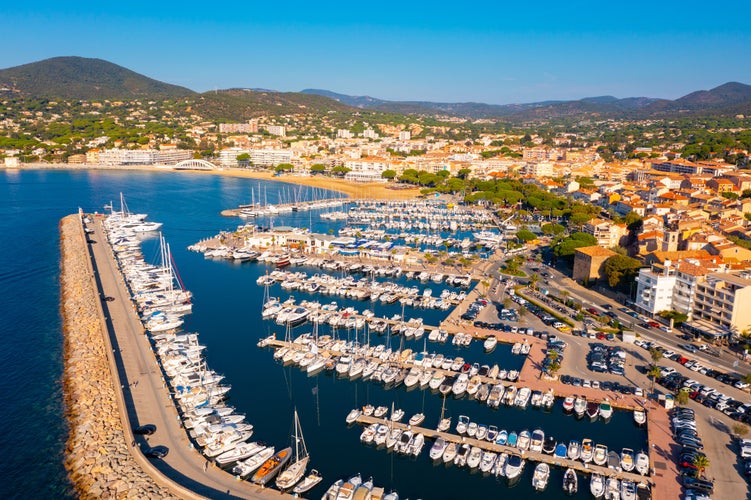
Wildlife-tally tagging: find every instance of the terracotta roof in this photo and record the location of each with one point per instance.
(596, 251)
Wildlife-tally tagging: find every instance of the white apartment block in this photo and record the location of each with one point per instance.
(405, 135)
(228, 157)
(270, 157)
(234, 128)
(140, 157)
(654, 292)
(370, 134)
(279, 130)
(343, 133)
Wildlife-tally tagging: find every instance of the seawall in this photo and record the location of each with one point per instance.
(98, 458)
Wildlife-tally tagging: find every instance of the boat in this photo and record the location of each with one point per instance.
(492, 434)
(568, 404)
(502, 437)
(240, 452)
(438, 448)
(640, 417)
(296, 470)
(362, 492)
(628, 490)
(523, 440)
(487, 461)
(417, 419)
(570, 482)
(482, 432)
(587, 451)
(514, 466)
(522, 397)
(444, 424)
(308, 482)
(475, 455)
(512, 438)
(613, 488)
(535, 443)
(600, 455)
(593, 410)
(560, 450)
(333, 490)
(606, 410)
(416, 445)
(246, 467)
(574, 450)
(272, 466)
(580, 406)
(548, 446)
(462, 454)
(541, 476)
(347, 490)
(490, 343)
(597, 485)
(380, 411)
(353, 415)
(472, 429)
(627, 459)
(397, 415)
(449, 453)
(461, 425)
(642, 463)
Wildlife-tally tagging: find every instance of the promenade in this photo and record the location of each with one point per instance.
(146, 397)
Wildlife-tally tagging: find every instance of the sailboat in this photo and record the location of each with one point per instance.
(296, 470)
(445, 422)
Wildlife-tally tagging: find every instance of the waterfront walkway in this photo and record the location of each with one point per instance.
(146, 396)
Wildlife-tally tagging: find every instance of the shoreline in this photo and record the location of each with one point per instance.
(97, 456)
(371, 190)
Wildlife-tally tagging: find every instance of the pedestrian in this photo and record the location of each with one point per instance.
(206, 466)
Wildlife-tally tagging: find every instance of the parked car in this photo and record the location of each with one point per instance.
(147, 429)
(156, 451)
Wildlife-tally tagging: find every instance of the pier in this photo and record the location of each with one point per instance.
(498, 448)
(259, 210)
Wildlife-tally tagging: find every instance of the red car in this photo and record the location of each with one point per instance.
(593, 311)
(653, 324)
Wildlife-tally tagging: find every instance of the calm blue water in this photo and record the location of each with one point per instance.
(227, 316)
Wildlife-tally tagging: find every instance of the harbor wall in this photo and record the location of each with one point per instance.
(99, 459)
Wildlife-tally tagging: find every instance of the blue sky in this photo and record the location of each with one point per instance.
(474, 51)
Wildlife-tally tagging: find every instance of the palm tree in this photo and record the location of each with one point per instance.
(656, 356)
(681, 398)
(533, 279)
(654, 373)
(701, 462)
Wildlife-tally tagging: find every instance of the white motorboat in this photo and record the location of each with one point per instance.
(308, 482)
(642, 463)
(541, 476)
(597, 485)
(353, 415)
(475, 455)
(514, 466)
(462, 424)
(628, 490)
(574, 450)
(490, 343)
(587, 451)
(640, 417)
(240, 452)
(570, 481)
(580, 406)
(600, 455)
(627, 459)
(248, 466)
(416, 419)
(612, 488)
(535, 443)
(438, 448)
(449, 454)
(487, 461)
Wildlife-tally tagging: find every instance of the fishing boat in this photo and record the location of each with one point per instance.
(570, 482)
(296, 470)
(627, 459)
(642, 463)
(600, 455)
(597, 485)
(580, 406)
(541, 476)
(272, 466)
(587, 452)
(574, 450)
(606, 410)
(535, 443)
(308, 482)
(640, 417)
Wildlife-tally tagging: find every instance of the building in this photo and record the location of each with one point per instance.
(370, 134)
(605, 232)
(227, 157)
(140, 157)
(723, 300)
(270, 157)
(589, 263)
(279, 130)
(343, 133)
(654, 288)
(405, 135)
(234, 128)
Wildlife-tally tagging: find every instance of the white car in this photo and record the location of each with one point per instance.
(666, 370)
(741, 385)
(745, 451)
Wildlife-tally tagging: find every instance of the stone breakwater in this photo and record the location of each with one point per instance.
(98, 458)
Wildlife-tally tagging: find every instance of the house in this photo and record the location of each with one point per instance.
(589, 263)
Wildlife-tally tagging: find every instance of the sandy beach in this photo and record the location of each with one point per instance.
(371, 190)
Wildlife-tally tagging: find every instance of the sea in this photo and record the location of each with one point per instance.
(226, 314)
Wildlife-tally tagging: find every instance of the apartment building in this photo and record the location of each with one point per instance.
(723, 300)
(654, 288)
(279, 130)
(605, 232)
(270, 157)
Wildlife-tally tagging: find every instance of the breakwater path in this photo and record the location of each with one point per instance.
(113, 384)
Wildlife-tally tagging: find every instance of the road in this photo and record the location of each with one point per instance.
(146, 395)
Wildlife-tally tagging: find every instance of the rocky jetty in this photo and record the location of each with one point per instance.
(98, 458)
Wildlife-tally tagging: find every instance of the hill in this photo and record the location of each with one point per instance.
(84, 79)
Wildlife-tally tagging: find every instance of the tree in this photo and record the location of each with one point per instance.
(681, 398)
(567, 246)
(340, 171)
(654, 373)
(317, 168)
(533, 279)
(701, 462)
(552, 229)
(388, 174)
(243, 159)
(656, 356)
(739, 430)
(676, 316)
(284, 167)
(621, 269)
(526, 236)
(463, 173)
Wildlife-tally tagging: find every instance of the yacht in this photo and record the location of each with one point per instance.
(362, 492)
(593, 410)
(417, 419)
(347, 490)
(628, 490)
(246, 467)
(353, 415)
(613, 488)
(541, 476)
(240, 452)
(487, 461)
(449, 454)
(475, 455)
(522, 397)
(462, 454)
(568, 404)
(438, 448)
